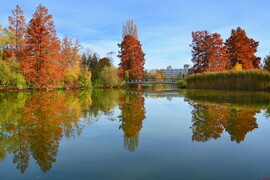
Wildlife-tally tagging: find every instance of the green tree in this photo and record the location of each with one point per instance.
(84, 79)
(6, 37)
(110, 77)
(10, 75)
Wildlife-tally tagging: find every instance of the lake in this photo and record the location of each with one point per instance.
(126, 134)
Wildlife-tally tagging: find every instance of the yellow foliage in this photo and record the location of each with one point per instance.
(72, 74)
(237, 67)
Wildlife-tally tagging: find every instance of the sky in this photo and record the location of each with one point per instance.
(164, 27)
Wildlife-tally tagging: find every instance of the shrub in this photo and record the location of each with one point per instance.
(84, 79)
(182, 83)
(109, 77)
(10, 75)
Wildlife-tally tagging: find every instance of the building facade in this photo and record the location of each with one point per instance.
(169, 72)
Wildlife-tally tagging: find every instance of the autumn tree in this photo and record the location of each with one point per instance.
(208, 52)
(153, 74)
(70, 52)
(132, 57)
(18, 26)
(42, 61)
(242, 49)
(130, 28)
(71, 61)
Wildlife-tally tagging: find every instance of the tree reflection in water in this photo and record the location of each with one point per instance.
(32, 124)
(236, 115)
(209, 122)
(35, 123)
(132, 115)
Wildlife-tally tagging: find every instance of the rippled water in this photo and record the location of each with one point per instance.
(118, 134)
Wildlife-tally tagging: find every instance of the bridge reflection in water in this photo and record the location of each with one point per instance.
(157, 94)
(33, 125)
(153, 81)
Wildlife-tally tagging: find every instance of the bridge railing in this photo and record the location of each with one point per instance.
(153, 80)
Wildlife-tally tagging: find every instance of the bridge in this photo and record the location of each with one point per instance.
(153, 81)
(158, 94)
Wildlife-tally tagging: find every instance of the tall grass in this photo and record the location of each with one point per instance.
(249, 80)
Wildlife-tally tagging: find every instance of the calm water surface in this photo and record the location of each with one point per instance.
(118, 134)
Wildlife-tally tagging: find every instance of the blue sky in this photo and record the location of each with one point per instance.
(164, 26)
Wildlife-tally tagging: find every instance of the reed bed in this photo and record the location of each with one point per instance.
(248, 80)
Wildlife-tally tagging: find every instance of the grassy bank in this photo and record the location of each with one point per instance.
(249, 80)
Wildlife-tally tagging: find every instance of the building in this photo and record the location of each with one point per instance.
(174, 73)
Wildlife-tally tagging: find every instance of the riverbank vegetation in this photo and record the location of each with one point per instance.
(249, 80)
(232, 65)
(33, 57)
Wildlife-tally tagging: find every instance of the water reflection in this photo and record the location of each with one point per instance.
(215, 111)
(209, 122)
(32, 124)
(132, 115)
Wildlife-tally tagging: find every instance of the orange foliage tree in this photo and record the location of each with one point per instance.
(18, 27)
(132, 57)
(242, 49)
(208, 52)
(42, 61)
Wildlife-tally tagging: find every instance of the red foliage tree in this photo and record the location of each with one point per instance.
(18, 26)
(242, 49)
(42, 61)
(132, 57)
(208, 52)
